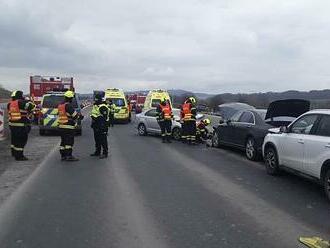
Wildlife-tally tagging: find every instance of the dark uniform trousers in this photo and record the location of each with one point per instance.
(19, 138)
(101, 140)
(67, 141)
(190, 127)
(166, 128)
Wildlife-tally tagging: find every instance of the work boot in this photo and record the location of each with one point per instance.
(104, 156)
(95, 154)
(71, 159)
(63, 158)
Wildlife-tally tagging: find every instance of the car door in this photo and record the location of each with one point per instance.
(292, 145)
(317, 147)
(151, 119)
(242, 128)
(227, 129)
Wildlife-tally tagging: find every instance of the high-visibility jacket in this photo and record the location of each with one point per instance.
(166, 111)
(16, 115)
(97, 113)
(65, 119)
(112, 108)
(186, 112)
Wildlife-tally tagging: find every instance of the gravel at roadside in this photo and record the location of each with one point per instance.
(13, 173)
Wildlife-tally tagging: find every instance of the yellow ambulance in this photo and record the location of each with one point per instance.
(154, 97)
(118, 98)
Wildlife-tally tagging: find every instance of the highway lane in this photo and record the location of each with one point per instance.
(149, 194)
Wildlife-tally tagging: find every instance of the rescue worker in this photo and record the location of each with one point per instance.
(112, 108)
(100, 124)
(202, 133)
(67, 122)
(188, 117)
(19, 123)
(164, 118)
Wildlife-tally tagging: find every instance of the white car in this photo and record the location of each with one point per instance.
(303, 147)
(146, 123)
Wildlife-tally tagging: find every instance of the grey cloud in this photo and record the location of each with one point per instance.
(236, 45)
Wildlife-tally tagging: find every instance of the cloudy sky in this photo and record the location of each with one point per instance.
(200, 45)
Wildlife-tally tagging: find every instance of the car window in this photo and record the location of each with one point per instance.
(304, 125)
(236, 116)
(324, 126)
(53, 101)
(119, 102)
(246, 117)
(151, 113)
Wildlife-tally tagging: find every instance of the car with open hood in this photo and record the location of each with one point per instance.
(246, 129)
(302, 148)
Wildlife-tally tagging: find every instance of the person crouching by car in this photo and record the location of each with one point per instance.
(202, 134)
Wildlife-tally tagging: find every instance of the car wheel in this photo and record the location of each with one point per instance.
(251, 150)
(176, 133)
(142, 130)
(271, 161)
(215, 139)
(42, 132)
(327, 184)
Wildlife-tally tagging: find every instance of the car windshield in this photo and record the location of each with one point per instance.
(54, 101)
(119, 102)
(155, 103)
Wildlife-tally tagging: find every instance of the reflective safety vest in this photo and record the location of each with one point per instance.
(63, 118)
(112, 108)
(166, 111)
(186, 109)
(96, 111)
(15, 114)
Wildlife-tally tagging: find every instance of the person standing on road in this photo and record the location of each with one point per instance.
(188, 115)
(164, 118)
(100, 124)
(112, 108)
(19, 123)
(67, 123)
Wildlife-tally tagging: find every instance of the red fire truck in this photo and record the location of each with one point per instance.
(40, 85)
(139, 103)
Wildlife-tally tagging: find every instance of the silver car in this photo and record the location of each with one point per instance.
(146, 123)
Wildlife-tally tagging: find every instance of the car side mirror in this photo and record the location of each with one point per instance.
(284, 129)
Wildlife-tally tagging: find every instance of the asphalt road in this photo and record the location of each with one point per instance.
(148, 194)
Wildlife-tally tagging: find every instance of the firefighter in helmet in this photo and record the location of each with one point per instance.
(188, 119)
(164, 118)
(202, 133)
(19, 110)
(67, 123)
(100, 124)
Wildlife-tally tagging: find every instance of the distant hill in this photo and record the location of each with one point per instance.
(318, 98)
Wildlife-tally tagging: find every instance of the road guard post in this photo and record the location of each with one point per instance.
(2, 124)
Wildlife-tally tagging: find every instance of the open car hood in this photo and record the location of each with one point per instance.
(286, 109)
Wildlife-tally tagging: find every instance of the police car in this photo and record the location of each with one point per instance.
(48, 119)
